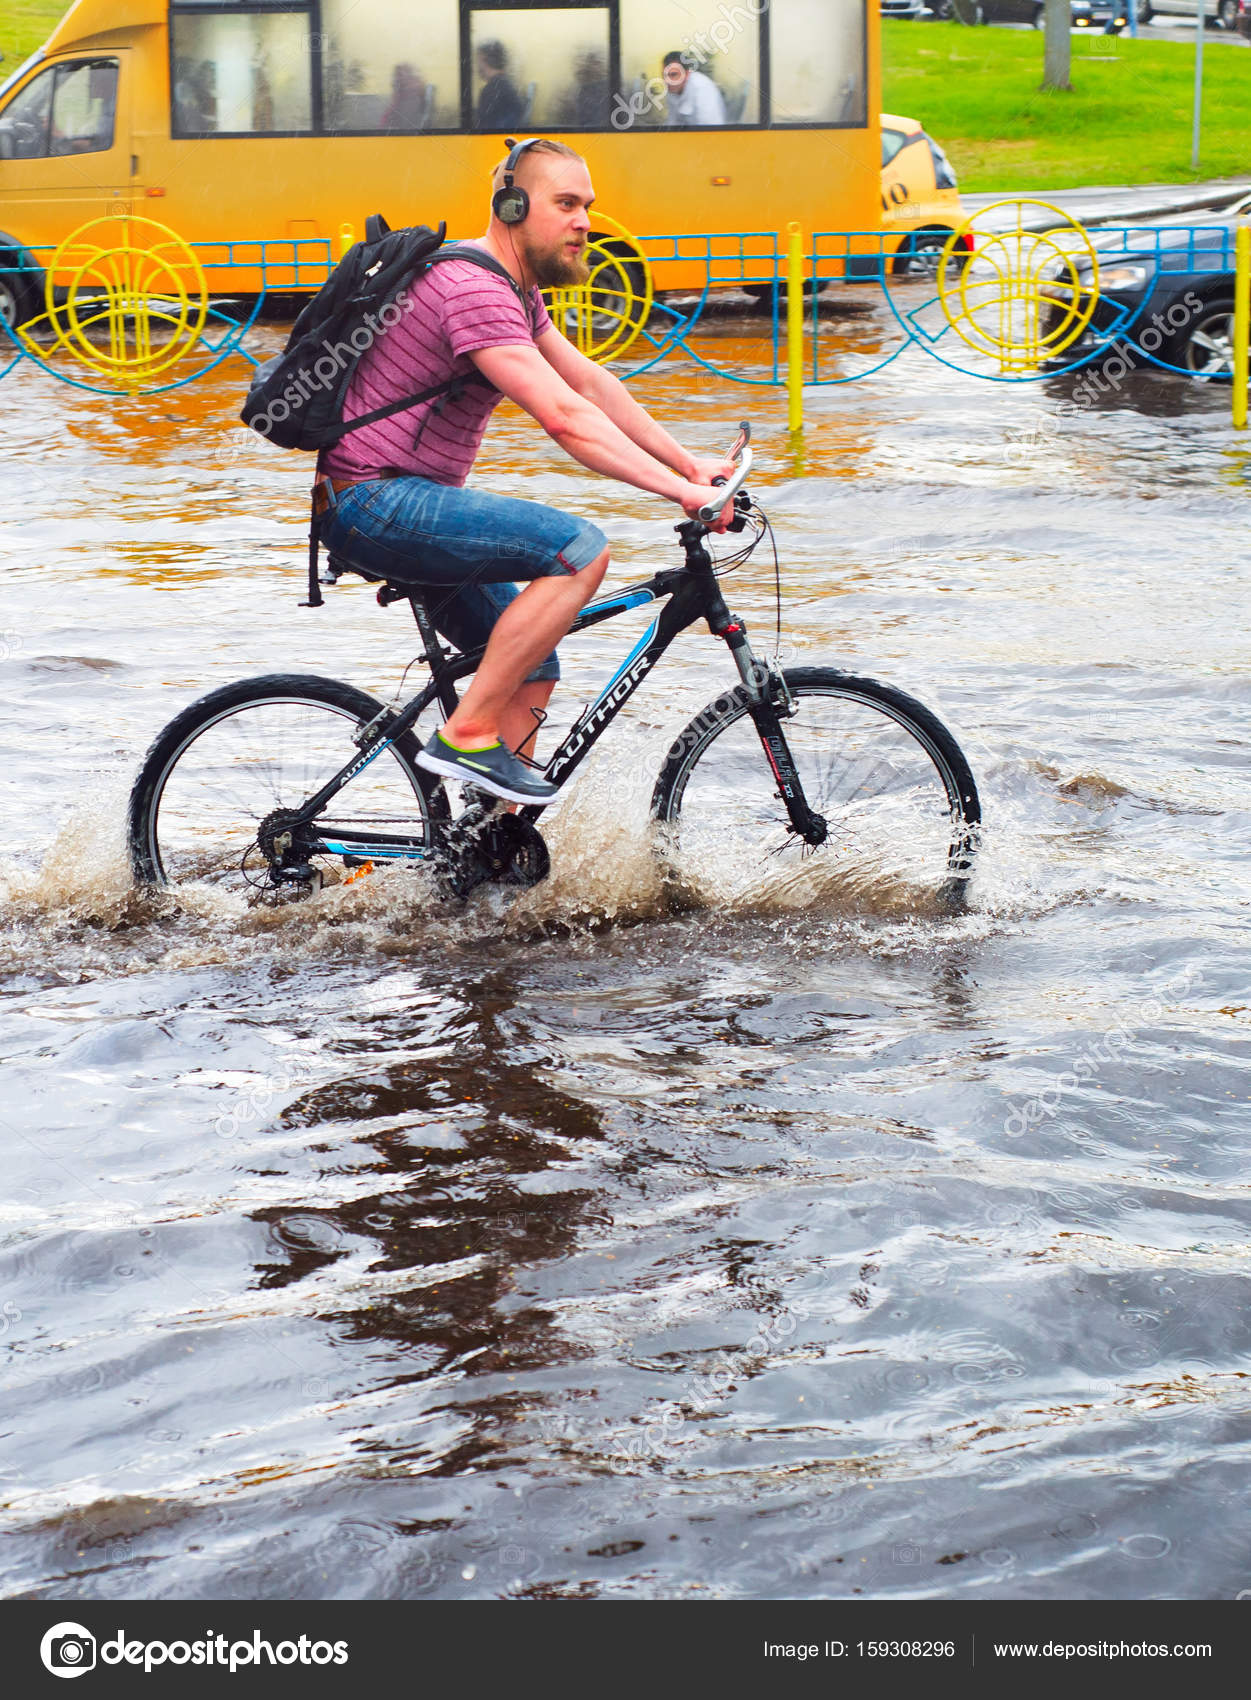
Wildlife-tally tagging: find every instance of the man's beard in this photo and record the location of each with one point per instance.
(555, 268)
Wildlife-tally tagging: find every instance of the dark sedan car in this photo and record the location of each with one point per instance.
(1086, 14)
(1167, 291)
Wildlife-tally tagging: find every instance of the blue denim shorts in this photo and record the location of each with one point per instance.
(463, 548)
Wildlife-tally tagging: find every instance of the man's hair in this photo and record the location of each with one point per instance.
(688, 61)
(541, 146)
(495, 54)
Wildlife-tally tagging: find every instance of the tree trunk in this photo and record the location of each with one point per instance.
(1057, 21)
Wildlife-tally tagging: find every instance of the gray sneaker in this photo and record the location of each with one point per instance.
(495, 769)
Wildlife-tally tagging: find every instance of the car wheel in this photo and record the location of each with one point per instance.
(1227, 12)
(1146, 11)
(942, 10)
(968, 11)
(1037, 19)
(1206, 347)
(922, 255)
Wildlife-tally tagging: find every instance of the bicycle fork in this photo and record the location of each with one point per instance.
(769, 704)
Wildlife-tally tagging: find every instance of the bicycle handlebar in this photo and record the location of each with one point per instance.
(708, 513)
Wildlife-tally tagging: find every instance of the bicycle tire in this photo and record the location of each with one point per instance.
(891, 782)
(170, 842)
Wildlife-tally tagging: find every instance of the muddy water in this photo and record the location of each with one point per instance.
(571, 1247)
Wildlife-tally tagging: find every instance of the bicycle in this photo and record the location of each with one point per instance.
(253, 787)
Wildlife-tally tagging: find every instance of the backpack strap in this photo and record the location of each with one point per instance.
(451, 389)
(315, 598)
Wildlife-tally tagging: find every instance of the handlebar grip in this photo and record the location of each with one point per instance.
(732, 486)
(741, 441)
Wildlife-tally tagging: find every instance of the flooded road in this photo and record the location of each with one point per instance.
(567, 1247)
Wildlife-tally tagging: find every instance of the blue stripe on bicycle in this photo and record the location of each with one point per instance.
(377, 853)
(634, 654)
(635, 599)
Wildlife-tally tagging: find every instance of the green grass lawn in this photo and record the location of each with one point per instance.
(26, 25)
(1127, 118)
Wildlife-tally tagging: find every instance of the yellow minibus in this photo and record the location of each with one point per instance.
(242, 121)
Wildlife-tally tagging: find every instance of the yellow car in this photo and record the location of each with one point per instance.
(920, 200)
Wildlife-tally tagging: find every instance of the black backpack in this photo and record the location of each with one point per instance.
(296, 399)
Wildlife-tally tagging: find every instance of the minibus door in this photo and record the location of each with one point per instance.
(65, 148)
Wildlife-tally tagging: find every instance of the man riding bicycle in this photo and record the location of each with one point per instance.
(391, 497)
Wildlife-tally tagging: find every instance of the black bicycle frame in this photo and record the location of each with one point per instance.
(694, 594)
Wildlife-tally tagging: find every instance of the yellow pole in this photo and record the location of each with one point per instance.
(795, 330)
(346, 238)
(1242, 317)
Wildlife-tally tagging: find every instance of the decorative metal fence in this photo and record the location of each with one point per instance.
(130, 308)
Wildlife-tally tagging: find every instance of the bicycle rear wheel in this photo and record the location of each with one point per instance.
(226, 763)
(890, 781)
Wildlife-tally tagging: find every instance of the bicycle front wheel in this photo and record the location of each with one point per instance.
(225, 765)
(896, 794)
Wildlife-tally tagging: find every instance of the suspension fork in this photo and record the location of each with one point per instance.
(769, 704)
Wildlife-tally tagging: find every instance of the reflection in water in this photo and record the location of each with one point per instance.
(574, 1247)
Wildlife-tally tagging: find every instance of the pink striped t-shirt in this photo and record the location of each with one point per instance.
(456, 307)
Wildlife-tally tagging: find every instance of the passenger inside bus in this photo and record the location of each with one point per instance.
(195, 99)
(586, 105)
(409, 106)
(501, 106)
(691, 96)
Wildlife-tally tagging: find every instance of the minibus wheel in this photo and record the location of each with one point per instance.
(762, 294)
(20, 295)
(630, 269)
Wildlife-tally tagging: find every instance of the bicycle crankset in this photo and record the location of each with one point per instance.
(483, 844)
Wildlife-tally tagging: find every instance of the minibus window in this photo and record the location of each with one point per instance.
(382, 72)
(716, 41)
(241, 75)
(68, 108)
(816, 50)
(545, 69)
(24, 124)
(83, 105)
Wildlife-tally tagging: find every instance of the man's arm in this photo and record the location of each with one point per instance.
(709, 102)
(582, 428)
(606, 391)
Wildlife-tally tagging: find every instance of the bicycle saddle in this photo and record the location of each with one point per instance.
(391, 590)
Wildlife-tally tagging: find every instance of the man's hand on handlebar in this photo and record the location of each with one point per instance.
(697, 496)
(705, 468)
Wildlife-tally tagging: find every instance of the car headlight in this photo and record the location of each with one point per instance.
(1123, 277)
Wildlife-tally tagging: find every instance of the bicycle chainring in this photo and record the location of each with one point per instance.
(481, 846)
(526, 861)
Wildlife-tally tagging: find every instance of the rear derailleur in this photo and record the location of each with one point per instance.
(286, 854)
(487, 843)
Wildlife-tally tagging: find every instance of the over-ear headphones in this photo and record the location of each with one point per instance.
(510, 203)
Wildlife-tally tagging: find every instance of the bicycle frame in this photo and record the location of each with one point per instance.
(693, 593)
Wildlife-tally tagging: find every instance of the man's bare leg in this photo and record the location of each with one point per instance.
(525, 632)
(518, 724)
